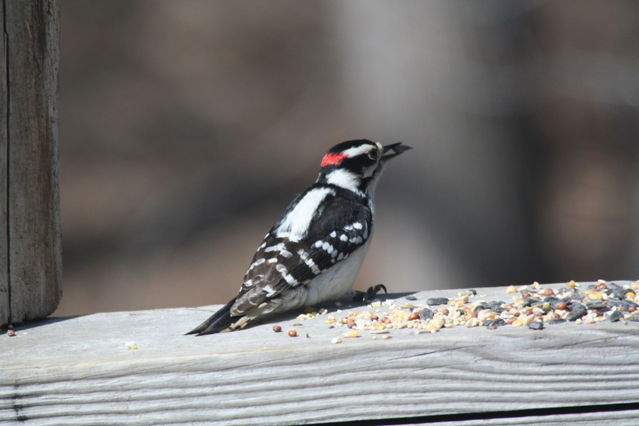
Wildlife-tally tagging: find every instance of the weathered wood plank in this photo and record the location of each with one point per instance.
(82, 366)
(4, 254)
(34, 266)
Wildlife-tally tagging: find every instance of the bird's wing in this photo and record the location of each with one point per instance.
(279, 264)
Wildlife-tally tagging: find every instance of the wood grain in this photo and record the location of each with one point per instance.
(79, 371)
(4, 254)
(32, 213)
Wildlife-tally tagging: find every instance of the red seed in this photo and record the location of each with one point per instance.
(350, 323)
(547, 292)
(277, 328)
(386, 320)
(414, 316)
(562, 306)
(11, 332)
(526, 294)
(632, 309)
(374, 317)
(292, 333)
(602, 286)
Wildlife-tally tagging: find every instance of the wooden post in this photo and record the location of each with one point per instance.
(30, 275)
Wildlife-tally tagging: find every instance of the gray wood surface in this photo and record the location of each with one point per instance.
(80, 371)
(31, 215)
(4, 255)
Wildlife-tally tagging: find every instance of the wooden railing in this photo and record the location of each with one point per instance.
(139, 368)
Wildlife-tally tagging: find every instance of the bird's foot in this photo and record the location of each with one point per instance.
(368, 295)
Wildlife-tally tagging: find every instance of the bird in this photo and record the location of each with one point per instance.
(314, 252)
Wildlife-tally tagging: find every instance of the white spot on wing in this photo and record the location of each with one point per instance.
(343, 237)
(258, 262)
(327, 247)
(308, 261)
(357, 225)
(269, 291)
(272, 260)
(333, 234)
(276, 247)
(289, 279)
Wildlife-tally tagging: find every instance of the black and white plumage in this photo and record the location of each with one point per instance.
(314, 251)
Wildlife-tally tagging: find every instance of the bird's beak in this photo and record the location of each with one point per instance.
(393, 150)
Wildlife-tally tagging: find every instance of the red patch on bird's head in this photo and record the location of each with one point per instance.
(333, 158)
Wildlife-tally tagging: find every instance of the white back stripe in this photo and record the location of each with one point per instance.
(295, 224)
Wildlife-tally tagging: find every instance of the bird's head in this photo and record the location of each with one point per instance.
(356, 165)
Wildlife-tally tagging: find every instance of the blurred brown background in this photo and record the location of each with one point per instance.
(186, 127)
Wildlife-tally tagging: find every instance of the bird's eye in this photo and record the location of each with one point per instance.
(373, 154)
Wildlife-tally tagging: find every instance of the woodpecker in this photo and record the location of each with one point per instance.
(314, 251)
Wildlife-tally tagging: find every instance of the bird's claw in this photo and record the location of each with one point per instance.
(368, 295)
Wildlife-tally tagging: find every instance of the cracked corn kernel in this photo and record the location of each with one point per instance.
(292, 332)
(435, 324)
(511, 289)
(131, 345)
(351, 334)
(473, 322)
(571, 283)
(336, 340)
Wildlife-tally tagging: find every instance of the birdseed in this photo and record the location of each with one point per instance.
(530, 306)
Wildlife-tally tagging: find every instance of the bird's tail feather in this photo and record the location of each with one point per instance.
(216, 322)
